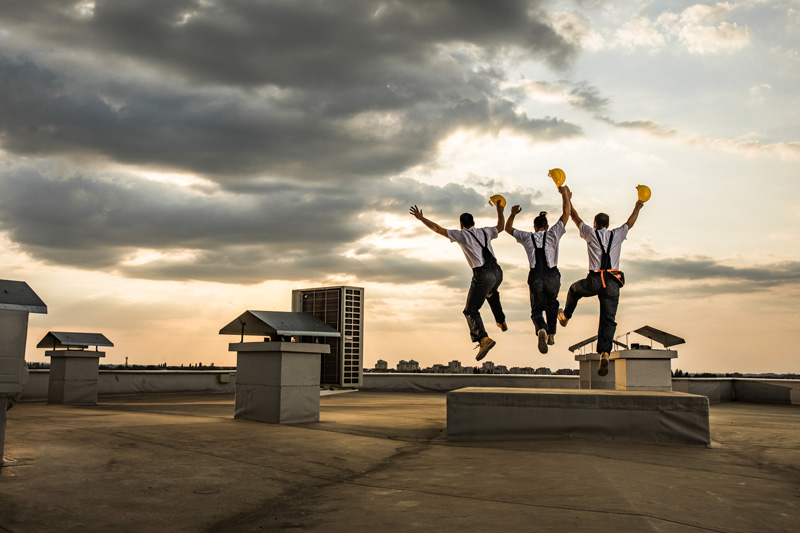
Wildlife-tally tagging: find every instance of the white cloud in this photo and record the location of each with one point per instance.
(786, 151)
(758, 93)
(760, 89)
(639, 32)
(699, 28)
(700, 14)
(714, 39)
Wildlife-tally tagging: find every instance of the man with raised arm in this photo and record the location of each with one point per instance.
(604, 279)
(544, 279)
(486, 273)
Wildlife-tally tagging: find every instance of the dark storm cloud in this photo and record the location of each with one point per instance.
(309, 89)
(303, 43)
(255, 264)
(714, 276)
(283, 230)
(300, 114)
(588, 98)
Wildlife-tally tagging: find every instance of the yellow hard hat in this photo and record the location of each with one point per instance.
(497, 199)
(558, 176)
(644, 192)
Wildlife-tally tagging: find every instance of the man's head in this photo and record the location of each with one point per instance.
(466, 221)
(540, 222)
(600, 221)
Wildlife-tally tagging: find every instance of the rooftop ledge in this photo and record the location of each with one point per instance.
(124, 382)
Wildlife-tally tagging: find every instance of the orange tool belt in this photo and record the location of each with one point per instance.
(614, 272)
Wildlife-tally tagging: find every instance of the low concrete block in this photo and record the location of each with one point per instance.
(278, 363)
(73, 376)
(645, 416)
(589, 379)
(277, 405)
(631, 370)
(258, 403)
(642, 374)
(72, 392)
(74, 368)
(258, 368)
(278, 382)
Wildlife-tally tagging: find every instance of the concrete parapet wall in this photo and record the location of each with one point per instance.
(717, 390)
(124, 382)
(448, 382)
(116, 382)
(785, 391)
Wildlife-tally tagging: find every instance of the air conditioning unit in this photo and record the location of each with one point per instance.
(343, 309)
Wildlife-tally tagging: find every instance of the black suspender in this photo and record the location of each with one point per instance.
(543, 255)
(605, 253)
(488, 257)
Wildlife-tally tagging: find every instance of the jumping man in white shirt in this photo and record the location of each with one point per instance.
(604, 279)
(544, 279)
(486, 273)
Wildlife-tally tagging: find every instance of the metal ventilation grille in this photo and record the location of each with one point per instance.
(342, 308)
(353, 310)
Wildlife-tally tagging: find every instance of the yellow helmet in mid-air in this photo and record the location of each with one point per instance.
(644, 192)
(497, 200)
(558, 176)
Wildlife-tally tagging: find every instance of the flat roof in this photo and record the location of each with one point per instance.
(380, 461)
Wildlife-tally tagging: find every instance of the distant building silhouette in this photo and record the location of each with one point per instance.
(407, 366)
(454, 367)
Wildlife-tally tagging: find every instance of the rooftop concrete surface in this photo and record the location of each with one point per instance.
(380, 461)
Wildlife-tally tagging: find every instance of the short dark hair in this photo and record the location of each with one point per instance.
(466, 220)
(601, 219)
(540, 222)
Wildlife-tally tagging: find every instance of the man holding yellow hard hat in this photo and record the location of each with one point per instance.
(604, 279)
(544, 279)
(486, 273)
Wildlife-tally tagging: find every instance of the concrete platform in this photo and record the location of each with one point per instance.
(483, 413)
(73, 376)
(380, 461)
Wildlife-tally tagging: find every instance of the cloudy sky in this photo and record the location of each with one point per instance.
(167, 164)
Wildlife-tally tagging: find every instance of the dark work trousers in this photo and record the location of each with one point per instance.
(486, 280)
(544, 286)
(592, 285)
